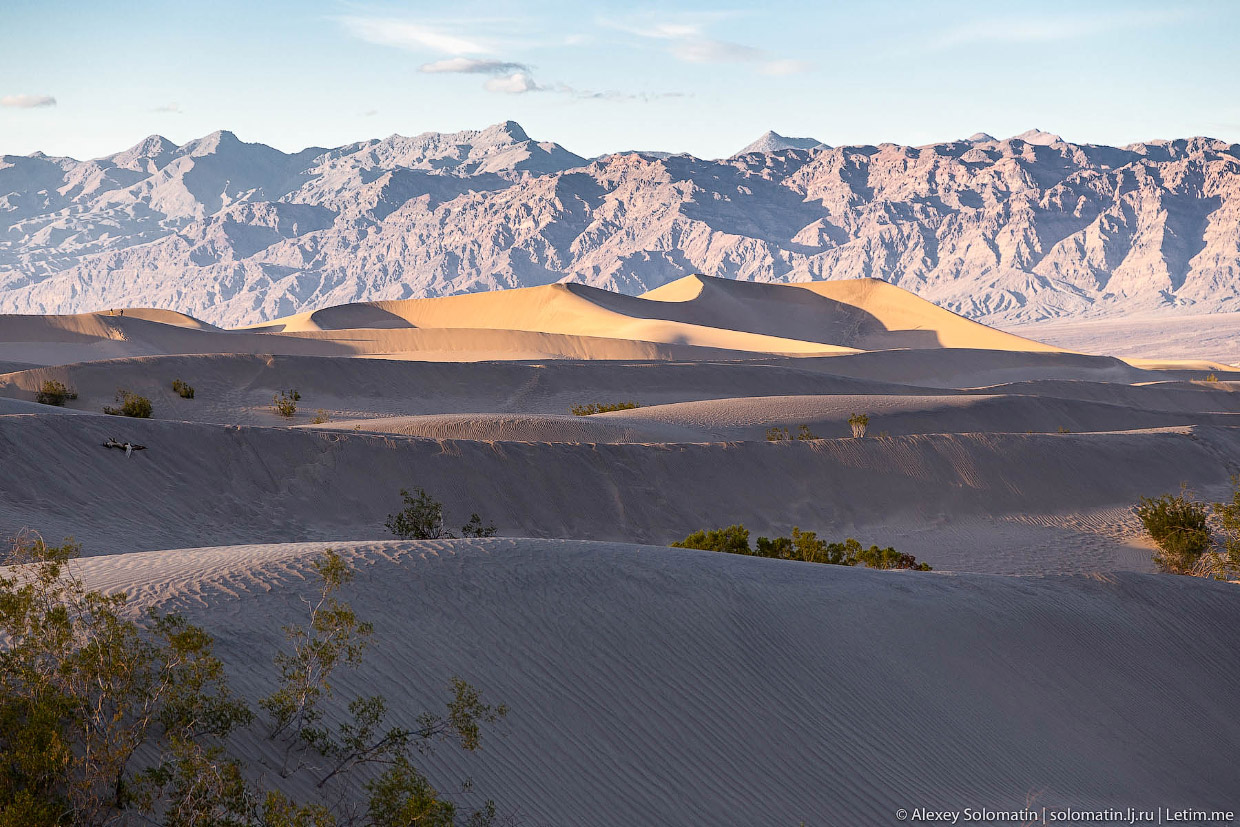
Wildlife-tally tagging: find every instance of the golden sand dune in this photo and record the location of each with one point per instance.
(715, 689)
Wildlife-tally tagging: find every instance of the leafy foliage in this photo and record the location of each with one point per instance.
(422, 519)
(285, 402)
(802, 545)
(777, 434)
(183, 389)
(320, 417)
(131, 404)
(1178, 526)
(602, 407)
(859, 423)
(107, 719)
(56, 393)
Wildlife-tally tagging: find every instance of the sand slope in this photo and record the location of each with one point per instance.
(664, 687)
(201, 484)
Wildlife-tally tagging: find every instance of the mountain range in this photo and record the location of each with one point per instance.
(1003, 231)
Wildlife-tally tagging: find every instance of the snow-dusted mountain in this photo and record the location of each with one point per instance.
(1001, 230)
(772, 141)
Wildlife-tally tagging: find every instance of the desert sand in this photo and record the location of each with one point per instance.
(1042, 657)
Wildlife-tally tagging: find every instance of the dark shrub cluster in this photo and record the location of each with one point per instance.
(131, 404)
(183, 389)
(777, 434)
(56, 393)
(602, 407)
(802, 545)
(422, 519)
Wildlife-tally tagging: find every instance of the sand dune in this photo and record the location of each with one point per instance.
(656, 686)
(827, 416)
(209, 483)
(522, 428)
(238, 388)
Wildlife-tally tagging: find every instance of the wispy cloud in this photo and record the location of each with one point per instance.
(406, 34)
(169, 109)
(517, 83)
(689, 41)
(472, 66)
(27, 101)
(1051, 28)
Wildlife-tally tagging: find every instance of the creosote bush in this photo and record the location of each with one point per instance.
(320, 417)
(422, 519)
(859, 423)
(777, 434)
(183, 389)
(802, 545)
(108, 716)
(56, 393)
(602, 407)
(1211, 378)
(1180, 527)
(131, 404)
(285, 402)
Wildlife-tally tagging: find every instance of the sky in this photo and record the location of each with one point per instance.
(85, 78)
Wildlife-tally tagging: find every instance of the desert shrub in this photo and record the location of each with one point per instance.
(183, 389)
(731, 540)
(476, 528)
(859, 423)
(53, 392)
(804, 546)
(107, 717)
(1063, 430)
(1179, 528)
(1211, 378)
(422, 519)
(131, 404)
(602, 407)
(777, 434)
(320, 417)
(285, 402)
(804, 432)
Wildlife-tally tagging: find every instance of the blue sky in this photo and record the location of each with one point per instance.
(91, 77)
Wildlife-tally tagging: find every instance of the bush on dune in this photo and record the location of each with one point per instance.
(602, 407)
(56, 393)
(803, 546)
(108, 718)
(183, 389)
(422, 519)
(131, 404)
(1186, 542)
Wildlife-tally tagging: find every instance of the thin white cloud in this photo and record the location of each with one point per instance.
(1050, 28)
(688, 42)
(472, 66)
(168, 109)
(517, 83)
(406, 34)
(27, 101)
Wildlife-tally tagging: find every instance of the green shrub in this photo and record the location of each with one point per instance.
(56, 393)
(859, 423)
(805, 433)
(320, 417)
(285, 402)
(601, 407)
(1178, 526)
(422, 519)
(131, 405)
(731, 540)
(108, 716)
(777, 434)
(183, 389)
(803, 546)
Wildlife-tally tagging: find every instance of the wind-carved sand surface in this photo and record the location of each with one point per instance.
(651, 685)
